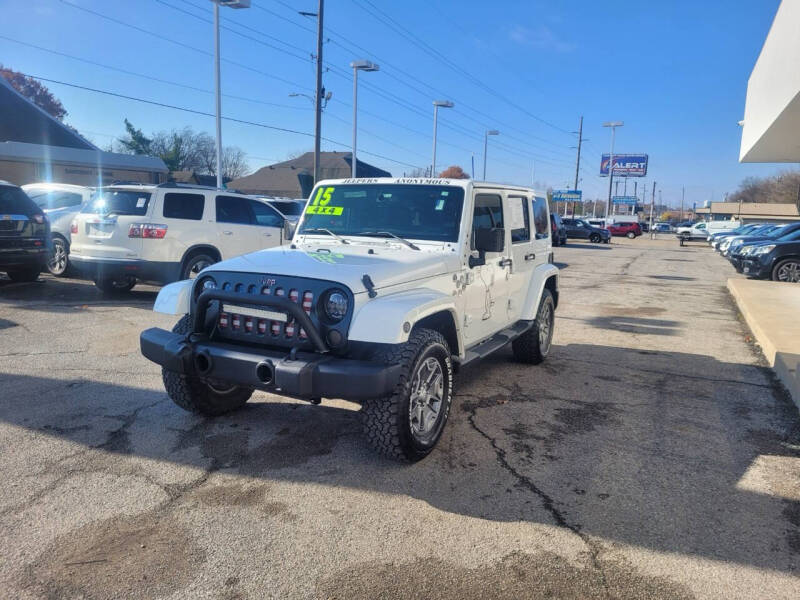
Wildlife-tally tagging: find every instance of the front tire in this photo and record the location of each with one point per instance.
(631, 235)
(787, 270)
(408, 424)
(595, 238)
(533, 346)
(197, 396)
(58, 263)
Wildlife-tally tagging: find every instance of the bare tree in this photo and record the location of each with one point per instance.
(781, 188)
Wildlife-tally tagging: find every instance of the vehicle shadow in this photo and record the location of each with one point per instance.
(643, 448)
(586, 245)
(56, 294)
(636, 325)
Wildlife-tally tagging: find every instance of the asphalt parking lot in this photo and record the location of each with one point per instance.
(651, 456)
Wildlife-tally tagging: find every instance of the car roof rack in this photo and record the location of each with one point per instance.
(176, 184)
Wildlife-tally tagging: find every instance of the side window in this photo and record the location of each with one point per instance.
(184, 206)
(231, 209)
(519, 219)
(488, 213)
(540, 220)
(265, 216)
(701, 226)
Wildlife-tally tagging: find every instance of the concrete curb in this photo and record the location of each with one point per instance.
(772, 311)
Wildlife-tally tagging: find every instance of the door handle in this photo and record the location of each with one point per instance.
(530, 256)
(506, 262)
(267, 234)
(227, 232)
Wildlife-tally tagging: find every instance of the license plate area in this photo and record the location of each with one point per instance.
(100, 229)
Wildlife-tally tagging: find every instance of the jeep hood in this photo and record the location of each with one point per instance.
(386, 265)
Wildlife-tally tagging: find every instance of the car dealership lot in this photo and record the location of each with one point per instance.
(650, 456)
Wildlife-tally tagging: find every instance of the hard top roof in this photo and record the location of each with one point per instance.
(462, 183)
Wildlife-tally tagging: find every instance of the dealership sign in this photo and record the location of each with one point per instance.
(629, 200)
(567, 195)
(625, 165)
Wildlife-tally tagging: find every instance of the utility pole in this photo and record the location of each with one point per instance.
(683, 195)
(320, 92)
(578, 161)
(652, 205)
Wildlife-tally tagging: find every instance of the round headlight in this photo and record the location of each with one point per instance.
(335, 305)
(209, 284)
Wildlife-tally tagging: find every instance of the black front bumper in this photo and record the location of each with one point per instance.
(754, 267)
(301, 374)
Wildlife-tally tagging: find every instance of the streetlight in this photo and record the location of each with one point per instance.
(486, 147)
(358, 65)
(436, 105)
(613, 125)
(217, 83)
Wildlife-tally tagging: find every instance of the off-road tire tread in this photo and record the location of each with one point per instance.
(193, 395)
(380, 416)
(526, 347)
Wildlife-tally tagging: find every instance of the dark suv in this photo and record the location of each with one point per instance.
(24, 235)
(558, 229)
(778, 260)
(578, 228)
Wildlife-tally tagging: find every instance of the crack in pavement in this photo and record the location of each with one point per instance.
(547, 501)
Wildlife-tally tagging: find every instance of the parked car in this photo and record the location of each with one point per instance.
(696, 231)
(61, 202)
(559, 232)
(778, 260)
(736, 256)
(629, 230)
(24, 235)
(289, 208)
(716, 238)
(762, 233)
(662, 228)
(582, 230)
(645, 226)
(341, 313)
(164, 233)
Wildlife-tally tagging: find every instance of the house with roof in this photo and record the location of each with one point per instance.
(36, 147)
(294, 178)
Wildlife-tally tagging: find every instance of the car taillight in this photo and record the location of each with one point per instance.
(308, 301)
(73, 227)
(147, 230)
(554, 228)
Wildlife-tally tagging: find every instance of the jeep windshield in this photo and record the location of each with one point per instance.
(419, 212)
(118, 202)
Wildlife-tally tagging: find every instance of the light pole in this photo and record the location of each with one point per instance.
(486, 147)
(613, 125)
(436, 105)
(217, 80)
(358, 65)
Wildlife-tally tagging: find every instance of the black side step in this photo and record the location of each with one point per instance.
(497, 341)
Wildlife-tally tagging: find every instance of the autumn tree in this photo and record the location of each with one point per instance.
(35, 92)
(454, 172)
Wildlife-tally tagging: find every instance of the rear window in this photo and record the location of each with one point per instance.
(118, 202)
(13, 201)
(290, 209)
(53, 199)
(184, 206)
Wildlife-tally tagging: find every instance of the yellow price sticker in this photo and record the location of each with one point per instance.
(323, 196)
(325, 210)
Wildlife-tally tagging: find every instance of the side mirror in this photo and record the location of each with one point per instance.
(490, 240)
(288, 229)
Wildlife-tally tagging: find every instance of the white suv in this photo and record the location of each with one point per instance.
(389, 286)
(168, 232)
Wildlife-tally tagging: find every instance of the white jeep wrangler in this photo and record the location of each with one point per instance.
(389, 286)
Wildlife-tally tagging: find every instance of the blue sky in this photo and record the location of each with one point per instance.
(675, 72)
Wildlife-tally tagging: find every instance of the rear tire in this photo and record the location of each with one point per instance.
(25, 275)
(58, 262)
(533, 346)
(407, 425)
(112, 287)
(631, 235)
(197, 396)
(195, 264)
(787, 270)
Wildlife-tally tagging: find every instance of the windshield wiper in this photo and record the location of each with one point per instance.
(411, 245)
(328, 231)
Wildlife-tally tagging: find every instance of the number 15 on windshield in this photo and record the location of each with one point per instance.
(319, 206)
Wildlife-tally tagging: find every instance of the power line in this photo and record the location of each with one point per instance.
(206, 114)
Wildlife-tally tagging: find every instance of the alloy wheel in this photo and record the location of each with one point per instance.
(427, 395)
(57, 263)
(545, 319)
(789, 272)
